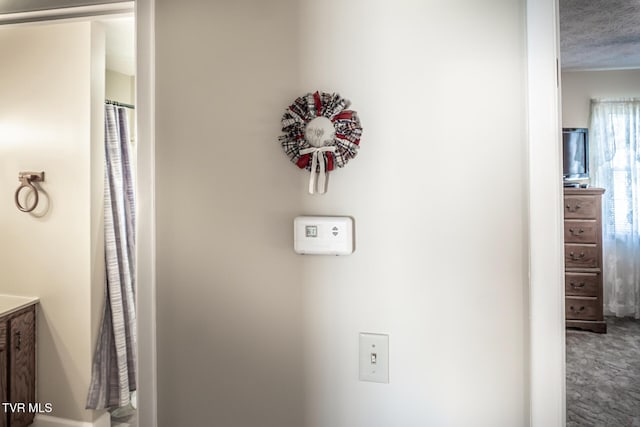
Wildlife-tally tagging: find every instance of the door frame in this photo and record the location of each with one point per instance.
(68, 13)
(547, 393)
(146, 297)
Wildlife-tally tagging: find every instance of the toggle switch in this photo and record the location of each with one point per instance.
(374, 357)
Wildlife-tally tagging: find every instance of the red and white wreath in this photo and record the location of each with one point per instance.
(320, 133)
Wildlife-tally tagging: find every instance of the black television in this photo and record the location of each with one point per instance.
(575, 154)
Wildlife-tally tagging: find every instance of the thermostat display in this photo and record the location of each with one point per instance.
(323, 235)
(311, 230)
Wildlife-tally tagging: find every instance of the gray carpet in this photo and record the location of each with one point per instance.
(603, 376)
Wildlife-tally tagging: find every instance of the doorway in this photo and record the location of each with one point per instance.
(108, 22)
(600, 79)
(546, 302)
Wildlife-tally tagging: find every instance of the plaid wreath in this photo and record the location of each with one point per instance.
(308, 139)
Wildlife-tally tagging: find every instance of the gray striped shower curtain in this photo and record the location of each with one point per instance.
(113, 375)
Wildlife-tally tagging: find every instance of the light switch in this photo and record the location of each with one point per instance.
(374, 357)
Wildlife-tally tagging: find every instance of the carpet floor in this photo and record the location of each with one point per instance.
(603, 375)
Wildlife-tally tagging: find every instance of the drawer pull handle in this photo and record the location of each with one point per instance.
(574, 208)
(575, 257)
(576, 232)
(577, 285)
(18, 340)
(580, 310)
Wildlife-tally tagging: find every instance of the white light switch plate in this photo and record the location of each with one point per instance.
(374, 357)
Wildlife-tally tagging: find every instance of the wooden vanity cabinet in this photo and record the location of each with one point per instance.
(3, 372)
(18, 366)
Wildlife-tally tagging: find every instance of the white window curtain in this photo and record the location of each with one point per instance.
(614, 138)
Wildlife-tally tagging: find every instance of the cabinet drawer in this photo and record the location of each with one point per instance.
(580, 207)
(583, 308)
(581, 256)
(582, 284)
(580, 231)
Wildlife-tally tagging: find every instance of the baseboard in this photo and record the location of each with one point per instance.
(49, 421)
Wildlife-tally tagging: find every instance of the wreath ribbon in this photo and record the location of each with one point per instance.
(315, 162)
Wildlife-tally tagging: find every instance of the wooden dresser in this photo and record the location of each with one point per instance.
(583, 259)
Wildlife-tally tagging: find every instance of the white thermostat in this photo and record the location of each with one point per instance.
(323, 235)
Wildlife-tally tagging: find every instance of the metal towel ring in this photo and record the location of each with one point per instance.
(26, 181)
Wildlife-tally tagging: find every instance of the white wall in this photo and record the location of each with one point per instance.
(120, 87)
(50, 81)
(250, 333)
(578, 87)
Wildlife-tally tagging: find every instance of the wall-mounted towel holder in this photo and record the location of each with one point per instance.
(26, 181)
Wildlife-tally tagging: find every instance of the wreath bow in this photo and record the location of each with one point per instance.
(322, 177)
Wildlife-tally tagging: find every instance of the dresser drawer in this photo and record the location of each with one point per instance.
(583, 308)
(580, 207)
(580, 231)
(582, 284)
(581, 256)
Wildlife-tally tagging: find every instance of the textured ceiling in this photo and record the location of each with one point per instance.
(599, 34)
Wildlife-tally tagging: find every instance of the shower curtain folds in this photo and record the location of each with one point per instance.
(114, 363)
